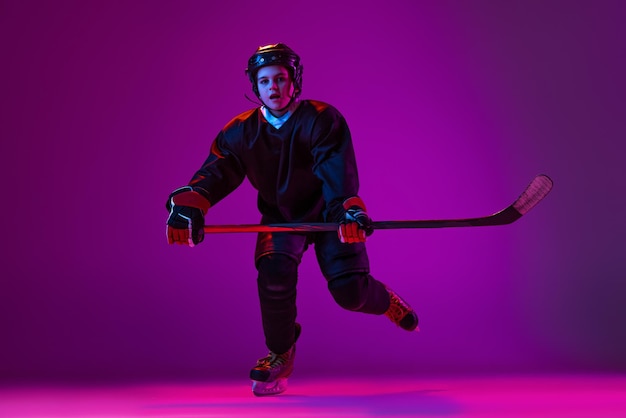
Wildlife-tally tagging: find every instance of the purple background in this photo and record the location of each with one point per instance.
(454, 106)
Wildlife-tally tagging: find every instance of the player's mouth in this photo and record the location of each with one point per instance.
(274, 96)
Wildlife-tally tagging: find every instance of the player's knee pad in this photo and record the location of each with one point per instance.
(349, 291)
(278, 275)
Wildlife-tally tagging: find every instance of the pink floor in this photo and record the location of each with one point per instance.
(504, 396)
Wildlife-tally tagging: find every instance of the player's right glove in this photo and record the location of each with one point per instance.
(185, 224)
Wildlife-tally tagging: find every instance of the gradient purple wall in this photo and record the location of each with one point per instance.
(454, 106)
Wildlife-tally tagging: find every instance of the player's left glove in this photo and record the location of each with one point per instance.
(185, 224)
(356, 225)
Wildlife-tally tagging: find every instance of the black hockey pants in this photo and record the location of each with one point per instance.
(345, 267)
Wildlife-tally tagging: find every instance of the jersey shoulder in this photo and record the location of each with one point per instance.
(319, 106)
(241, 119)
(322, 111)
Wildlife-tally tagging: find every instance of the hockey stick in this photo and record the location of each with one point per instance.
(534, 193)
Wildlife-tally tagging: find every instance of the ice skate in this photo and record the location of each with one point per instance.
(269, 376)
(401, 313)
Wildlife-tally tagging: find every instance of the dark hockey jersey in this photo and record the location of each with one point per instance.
(302, 171)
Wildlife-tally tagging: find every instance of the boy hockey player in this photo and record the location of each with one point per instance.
(298, 155)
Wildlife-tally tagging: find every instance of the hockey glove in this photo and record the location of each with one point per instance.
(185, 225)
(356, 225)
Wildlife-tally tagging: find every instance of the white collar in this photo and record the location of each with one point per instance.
(275, 121)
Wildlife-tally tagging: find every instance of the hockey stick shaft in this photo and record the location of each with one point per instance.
(532, 195)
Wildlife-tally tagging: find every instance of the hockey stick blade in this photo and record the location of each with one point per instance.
(534, 193)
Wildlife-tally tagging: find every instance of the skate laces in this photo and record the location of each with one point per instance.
(398, 308)
(273, 360)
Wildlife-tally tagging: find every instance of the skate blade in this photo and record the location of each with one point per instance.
(269, 388)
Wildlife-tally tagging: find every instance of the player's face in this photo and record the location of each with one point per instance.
(275, 87)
